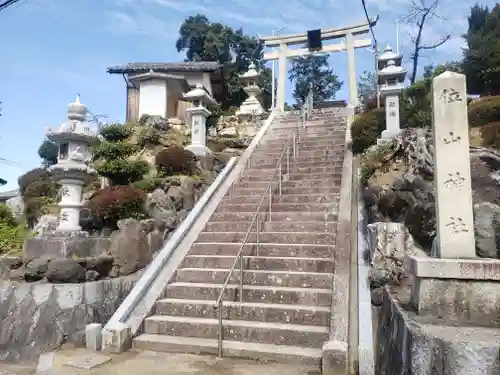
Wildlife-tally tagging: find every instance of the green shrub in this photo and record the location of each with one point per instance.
(29, 177)
(484, 111)
(148, 137)
(122, 171)
(366, 129)
(490, 135)
(11, 238)
(34, 207)
(48, 152)
(149, 185)
(113, 150)
(114, 203)
(176, 160)
(115, 132)
(6, 216)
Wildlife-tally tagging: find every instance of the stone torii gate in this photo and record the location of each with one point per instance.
(349, 45)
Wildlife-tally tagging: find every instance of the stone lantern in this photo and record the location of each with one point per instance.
(251, 80)
(72, 171)
(391, 82)
(198, 115)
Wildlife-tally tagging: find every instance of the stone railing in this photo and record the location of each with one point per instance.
(124, 324)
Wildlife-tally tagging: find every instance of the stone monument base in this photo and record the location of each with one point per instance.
(249, 108)
(411, 344)
(460, 291)
(389, 134)
(199, 150)
(59, 245)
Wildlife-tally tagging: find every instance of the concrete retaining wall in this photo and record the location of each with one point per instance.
(39, 317)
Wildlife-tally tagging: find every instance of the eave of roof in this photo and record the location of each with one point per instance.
(190, 66)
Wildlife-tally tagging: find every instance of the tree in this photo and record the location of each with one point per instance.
(367, 88)
(313, 71)
(418, 15)
(203, 40)
(48, 153)
(482, 56)
(2, 181)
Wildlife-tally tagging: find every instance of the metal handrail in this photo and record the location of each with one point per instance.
(305, 112)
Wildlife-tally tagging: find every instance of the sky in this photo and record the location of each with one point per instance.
(54, 49)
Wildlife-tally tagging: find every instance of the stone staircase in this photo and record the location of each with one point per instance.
(287, 285)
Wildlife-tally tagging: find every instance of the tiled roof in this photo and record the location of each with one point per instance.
(190, 66)
(9, 194)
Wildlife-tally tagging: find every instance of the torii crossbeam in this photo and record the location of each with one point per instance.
(349, 45)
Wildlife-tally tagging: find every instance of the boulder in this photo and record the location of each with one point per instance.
(188, 186)
(45, 224)
(35, 270)
(102, 265)
(486, 214)
(129, 247)
(159, 205)
(16, 206)
(65, 271)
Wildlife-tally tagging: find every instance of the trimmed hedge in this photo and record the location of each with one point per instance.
(114, 203)
(115, 132)
(366, 129)
(490, 134)
(176, 160)
(123, 171)
(484, 111)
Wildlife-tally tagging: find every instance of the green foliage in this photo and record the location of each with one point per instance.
(48, 152)
(490, 135)
(39, 193)
(123, 171)
(149, 185)
(212, 41)
(114, 203)
(148, 137)
(313, 71)
(367, 89)
(176, 160)
(11, 237)
(115, 132)
(484, 111)
(482, 55)
(6, 216)
(2, 181)
(366, 129)
(374, 159)
(216, 112)
(110, 150)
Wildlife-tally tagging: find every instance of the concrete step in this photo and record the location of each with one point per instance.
(276, 216)
(279, 207)
(283, 198)
(237, 191)
(252, 293)
(239, 349)
(316, 176)
(260, 263)
(272, 159)
(274, 226)
(257, 277)
(270, 237)
(334, 168)
(256, 311)
(239, 330)
(266, 249)
(295, 164)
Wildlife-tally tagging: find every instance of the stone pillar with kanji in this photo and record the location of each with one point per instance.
(198, 115)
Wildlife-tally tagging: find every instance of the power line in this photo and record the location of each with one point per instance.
(7, 3)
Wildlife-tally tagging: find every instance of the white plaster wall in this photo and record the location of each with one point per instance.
(198, 77)
(153, 97)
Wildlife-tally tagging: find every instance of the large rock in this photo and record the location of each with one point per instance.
(35, 270)
(486, 215)
(45, 224)
(188, 186)
(65, 271)
(160, 206)
(129, 247)
(16, 206)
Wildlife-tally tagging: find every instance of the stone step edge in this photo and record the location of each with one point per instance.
(279, 222)
(266, 244)
(266, 232)
(244, 304)
(230, 348)
(249, 287)
(204, 256)
(239, 323)
(328, 195)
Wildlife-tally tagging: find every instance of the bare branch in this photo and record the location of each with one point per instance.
(435, 45)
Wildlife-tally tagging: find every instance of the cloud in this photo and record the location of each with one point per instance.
(140, 23)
